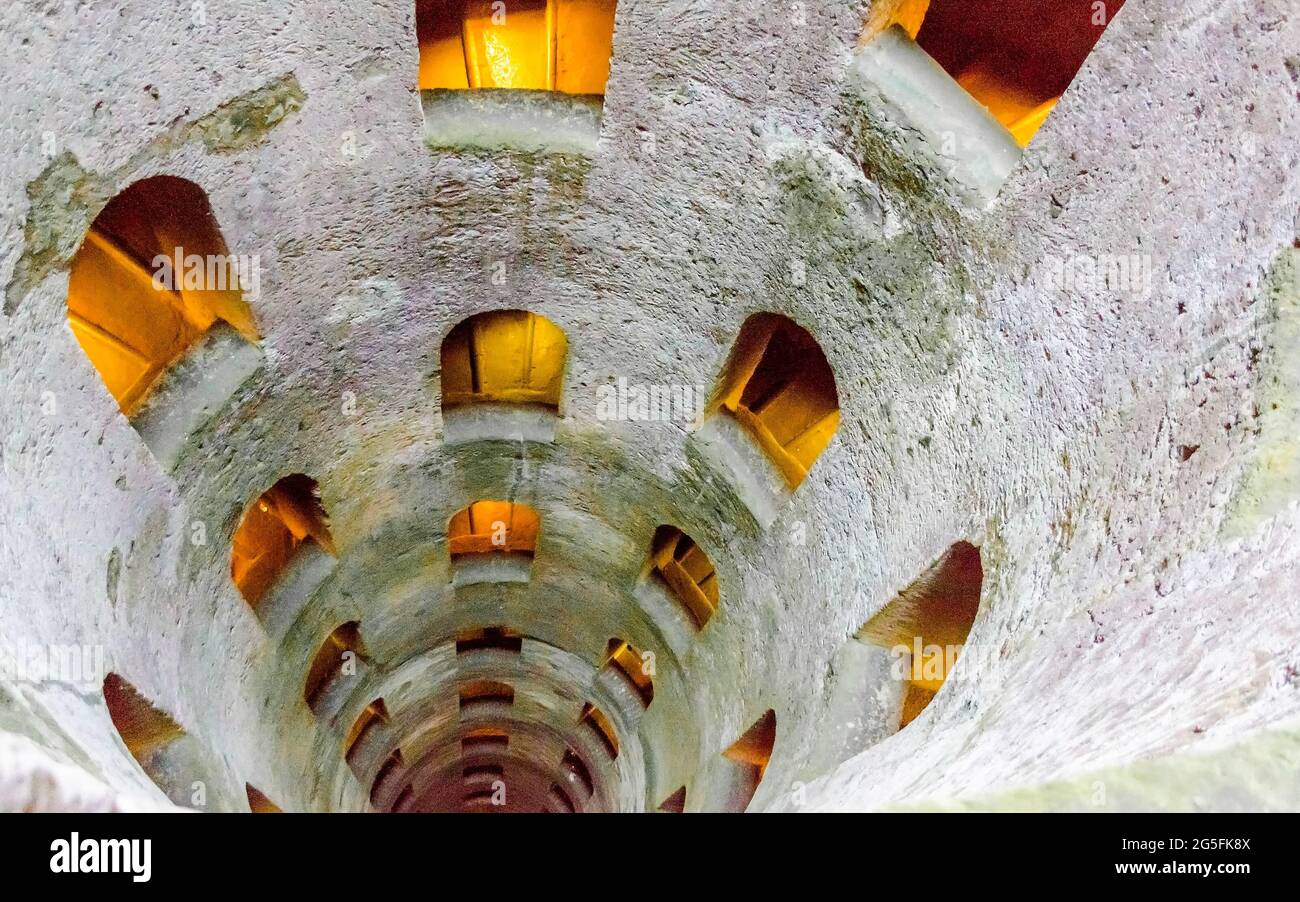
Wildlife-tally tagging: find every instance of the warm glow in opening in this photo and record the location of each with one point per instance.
(752, 752)
(687, 570)
(143, 728)
(484, 691)
(929, 621)
(375, 715)
(487, 526)
(258, 803)
(336, 657)
(132, 325)
(1017, 57)
(501, 638)
(778, 385)
(595, 718)
(755, 746)
(272, 529)
(629, 662)
(484, 739)
(542, 45)
(508, 356)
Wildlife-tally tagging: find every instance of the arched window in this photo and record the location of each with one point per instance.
(478, 693)
(634, 667)
(488, 527)
(499, 638)
(504, 356)
(542, 45)
(779, 387)
(1016, 57)
(595, 720)
(687, 571)
(388, 781)
(485, 741)
(928, 623)
(151, 277)
(273, 528)
(368, 723)
(750, 755)
(145, 729)
(338, 658)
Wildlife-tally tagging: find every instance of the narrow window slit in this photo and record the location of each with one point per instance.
(367, 723)
(600, 725)
(687, 571)
(751, 754)
(337, 659)
(927, 624)
(485, 692)
(633, 667)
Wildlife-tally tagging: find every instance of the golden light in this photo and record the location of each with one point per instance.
(934, 616)
(329, 660)
(687, 571)
(508, 356)
(488, 526)
(541, 45)
(1016, 57)
(272, 530)
(595, 718)
(481, 691)
(143, 728)
(374, 716)
(778, 386)
(132, 326)
(629, 662)
(258, 803)
(754, 748)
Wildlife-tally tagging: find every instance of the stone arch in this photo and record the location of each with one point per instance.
(152, 276)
